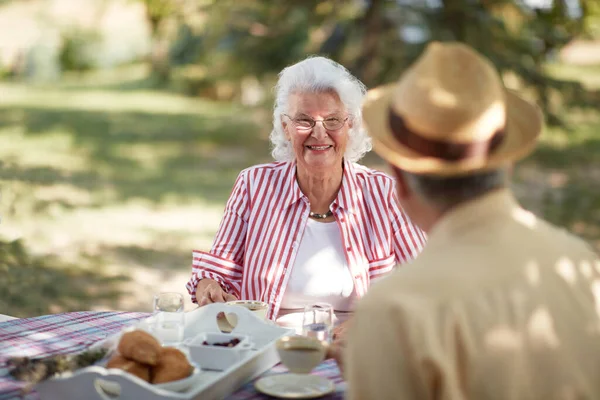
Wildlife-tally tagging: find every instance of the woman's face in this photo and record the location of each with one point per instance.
(317, 148)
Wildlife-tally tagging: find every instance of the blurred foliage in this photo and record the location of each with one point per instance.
(158, 14)
(77, 50)
(592, 18)
(225, 41)
(157, 11)
(3, 71)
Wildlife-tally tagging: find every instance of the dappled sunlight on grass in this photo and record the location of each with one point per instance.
(33, 285)
(576, 146)
(55, 149)
(560, 180)
(129, 155)
(133, 181)
(99, 100)
(588, 75)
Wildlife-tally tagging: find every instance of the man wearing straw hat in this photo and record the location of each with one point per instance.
(500, 305)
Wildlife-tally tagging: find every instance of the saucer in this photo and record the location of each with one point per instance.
(294, 386)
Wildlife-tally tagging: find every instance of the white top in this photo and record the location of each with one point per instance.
(320, 272)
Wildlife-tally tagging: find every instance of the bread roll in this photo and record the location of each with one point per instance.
(140, 346)
(172, 365)
(140, 370)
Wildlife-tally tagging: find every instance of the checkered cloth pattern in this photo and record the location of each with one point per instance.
(54, 334)
(74, 332)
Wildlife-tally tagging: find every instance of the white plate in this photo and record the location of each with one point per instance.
(294, 386)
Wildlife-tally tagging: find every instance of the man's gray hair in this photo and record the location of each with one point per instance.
(447, 192)
(314, 75)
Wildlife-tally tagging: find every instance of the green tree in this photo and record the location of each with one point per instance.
(377, 39)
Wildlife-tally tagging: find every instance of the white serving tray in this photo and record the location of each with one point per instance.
(91, 382)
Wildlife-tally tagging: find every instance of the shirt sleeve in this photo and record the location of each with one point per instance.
(379, 361)
(224, 263)
(408, 239)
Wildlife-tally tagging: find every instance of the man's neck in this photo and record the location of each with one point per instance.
(429, 218)
(431, 215)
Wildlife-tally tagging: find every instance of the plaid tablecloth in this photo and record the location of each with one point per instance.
(73, 332)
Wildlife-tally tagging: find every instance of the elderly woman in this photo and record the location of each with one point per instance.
(313, 226)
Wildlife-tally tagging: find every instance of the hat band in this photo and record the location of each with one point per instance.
(439, 148)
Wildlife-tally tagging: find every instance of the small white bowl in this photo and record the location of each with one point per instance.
(217, 358)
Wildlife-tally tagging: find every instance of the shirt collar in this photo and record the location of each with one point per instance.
(347, 195)
(474, 213)
(295, 193)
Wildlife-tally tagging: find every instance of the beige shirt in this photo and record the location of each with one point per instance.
(500, 305)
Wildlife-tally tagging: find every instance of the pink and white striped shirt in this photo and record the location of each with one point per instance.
(256, 244)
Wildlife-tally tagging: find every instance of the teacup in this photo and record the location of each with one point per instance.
(258, 308)
(301, 354)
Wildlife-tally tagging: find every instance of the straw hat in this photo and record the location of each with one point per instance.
(449, 114)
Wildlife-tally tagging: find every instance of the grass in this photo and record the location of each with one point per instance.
(108, 185)
(39, 285)
(560, 180)
(121, 183)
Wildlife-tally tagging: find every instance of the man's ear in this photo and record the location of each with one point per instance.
(401, 187)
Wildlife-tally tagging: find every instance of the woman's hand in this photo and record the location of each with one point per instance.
(336, 349)
(209, 291)
(340, 332)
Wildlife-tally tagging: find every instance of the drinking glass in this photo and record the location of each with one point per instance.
(317, 321)
(169, 318)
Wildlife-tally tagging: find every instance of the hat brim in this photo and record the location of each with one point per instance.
(523, 127)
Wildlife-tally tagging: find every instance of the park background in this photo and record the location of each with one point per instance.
(124, 123)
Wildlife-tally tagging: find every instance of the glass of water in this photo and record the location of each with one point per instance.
(317, 321)
(169, 318)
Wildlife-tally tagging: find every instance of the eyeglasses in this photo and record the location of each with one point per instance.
(306, 123)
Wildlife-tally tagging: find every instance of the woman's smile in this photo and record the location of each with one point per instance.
(319, 148)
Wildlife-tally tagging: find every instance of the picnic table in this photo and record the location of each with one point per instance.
(75, 331)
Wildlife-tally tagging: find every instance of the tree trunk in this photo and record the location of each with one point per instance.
(366, 67)
(159, 53)
(160, 64)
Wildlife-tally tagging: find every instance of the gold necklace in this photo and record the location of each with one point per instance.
(320, 216)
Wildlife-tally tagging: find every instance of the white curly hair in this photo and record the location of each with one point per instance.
(320, 74)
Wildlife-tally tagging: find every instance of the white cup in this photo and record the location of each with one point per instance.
(258, 308)
(301, 354)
